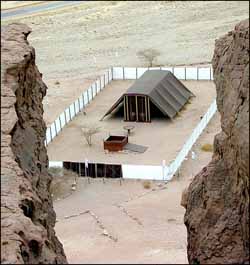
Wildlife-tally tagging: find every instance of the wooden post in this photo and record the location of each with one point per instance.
(103, 179)
(70, 114)
(146, 109)
(127, 108)
(60, 122)
(88, 174)
(149, 117)
(88, 95)
(92, 93)
(96, 175)
(65, 117)
(83, 104)
(55, 126)
(79, 104)
(136, 108)
(50, 133)
(74, 108)
(124, 106)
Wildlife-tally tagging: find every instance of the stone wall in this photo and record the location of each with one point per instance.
(217, 203)
(27, 215)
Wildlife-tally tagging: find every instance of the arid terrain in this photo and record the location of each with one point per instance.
(125, 213)
(125, 223)
(75, 44)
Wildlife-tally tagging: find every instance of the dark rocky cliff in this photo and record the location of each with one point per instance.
(217, 203)
(27, 215)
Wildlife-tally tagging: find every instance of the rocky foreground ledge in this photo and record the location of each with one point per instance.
(217, 200)
(27, 215)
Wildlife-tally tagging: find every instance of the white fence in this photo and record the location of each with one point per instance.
(182, 73)
(125, 73)
(143, 172)
(174, 166)
(69, 113)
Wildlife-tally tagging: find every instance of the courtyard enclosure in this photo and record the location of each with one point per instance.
(119, 73)
(157, 172)
(153, 171)
(155, 91)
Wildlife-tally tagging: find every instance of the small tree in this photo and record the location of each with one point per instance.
(89, 131)
(148, 55)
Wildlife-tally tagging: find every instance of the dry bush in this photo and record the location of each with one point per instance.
(207, 148)
(57, 83)
(55, 171)
(146, 184)
(88, 131)
(148, 55)
(61, 185)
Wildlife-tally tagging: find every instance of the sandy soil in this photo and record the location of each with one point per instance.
(80, 42)
(54, 103)
(140, 238)
(169, 136)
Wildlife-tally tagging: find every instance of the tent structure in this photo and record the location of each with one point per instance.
(155, 92)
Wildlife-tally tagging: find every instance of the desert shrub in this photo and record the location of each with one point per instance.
(146, 184)
(88, 131)
(148, 55)
(55, 171)
(207, 148)
(57, 83)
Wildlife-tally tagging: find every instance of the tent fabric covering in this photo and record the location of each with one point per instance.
(163, 89)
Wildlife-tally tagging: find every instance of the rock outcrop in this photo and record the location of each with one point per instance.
(217, 203)
(27, 215)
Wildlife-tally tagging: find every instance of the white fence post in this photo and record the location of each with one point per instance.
(174, 166)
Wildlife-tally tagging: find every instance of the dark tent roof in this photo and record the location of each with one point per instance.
(163, 89)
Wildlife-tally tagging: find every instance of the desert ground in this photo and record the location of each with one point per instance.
(168, 136)
(76, 44)
(112, 222)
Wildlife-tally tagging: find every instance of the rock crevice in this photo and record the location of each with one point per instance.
(217, 200)
(27, 215)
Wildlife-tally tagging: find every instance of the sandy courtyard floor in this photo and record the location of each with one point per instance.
(164, 138)
(147, 223)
